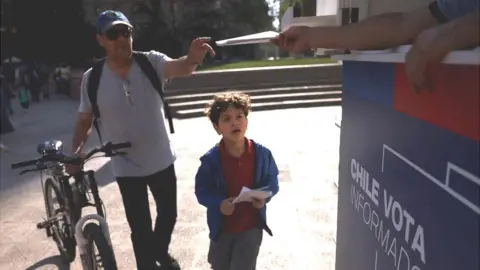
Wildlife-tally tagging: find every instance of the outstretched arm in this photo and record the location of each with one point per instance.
(377, 32)
(185, 65)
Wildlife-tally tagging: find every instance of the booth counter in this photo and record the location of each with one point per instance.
(409, 173)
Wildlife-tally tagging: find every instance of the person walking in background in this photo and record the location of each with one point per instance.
(33, 81)
(5, 92)
(62, 79)
(24, 98)
(43, 80)
(23, 92)
(6, 125)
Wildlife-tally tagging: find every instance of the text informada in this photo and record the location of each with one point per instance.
(369, 199)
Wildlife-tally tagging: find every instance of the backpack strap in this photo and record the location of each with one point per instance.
(92, 90)
(152, 76)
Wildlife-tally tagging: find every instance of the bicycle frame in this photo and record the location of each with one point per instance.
(56, 171)
(94, 188)
(74, 210)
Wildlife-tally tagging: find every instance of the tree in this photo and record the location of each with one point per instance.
(223, 19)
(51, 31)
(253, 14)
(159, 33)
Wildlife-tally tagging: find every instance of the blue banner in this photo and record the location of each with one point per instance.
(409, 192)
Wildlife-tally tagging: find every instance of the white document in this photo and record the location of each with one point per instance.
(263, 37)
(247, 195)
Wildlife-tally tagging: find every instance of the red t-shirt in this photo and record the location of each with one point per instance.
(239, 172)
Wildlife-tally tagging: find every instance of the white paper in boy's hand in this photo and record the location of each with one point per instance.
(263, 37)
(247, 195)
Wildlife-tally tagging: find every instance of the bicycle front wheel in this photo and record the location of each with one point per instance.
(99, 253)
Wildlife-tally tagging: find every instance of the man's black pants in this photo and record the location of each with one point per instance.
(150, 245)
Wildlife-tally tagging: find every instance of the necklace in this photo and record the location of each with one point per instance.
(126, 89)
(125, 85)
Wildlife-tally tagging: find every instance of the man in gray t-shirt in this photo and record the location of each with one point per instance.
(131, 111)
(433, 31)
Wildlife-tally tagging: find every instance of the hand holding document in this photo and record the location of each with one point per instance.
(247, 195)
(258, 38)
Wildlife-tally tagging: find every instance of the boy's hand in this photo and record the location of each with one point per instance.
(227, 207)
(258, 203)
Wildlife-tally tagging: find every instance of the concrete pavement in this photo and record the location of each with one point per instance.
(302, 216)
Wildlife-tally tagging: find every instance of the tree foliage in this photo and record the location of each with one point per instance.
(49, 31)
(55, 30)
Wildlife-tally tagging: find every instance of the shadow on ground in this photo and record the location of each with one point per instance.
(55, 261)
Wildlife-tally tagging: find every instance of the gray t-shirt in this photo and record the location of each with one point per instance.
(454, 9)
(141, 121)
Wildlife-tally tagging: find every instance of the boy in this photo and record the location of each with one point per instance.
(236, 229)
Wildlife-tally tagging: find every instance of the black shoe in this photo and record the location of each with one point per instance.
(169, 263)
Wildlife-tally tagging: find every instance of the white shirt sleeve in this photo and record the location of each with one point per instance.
(158, 61)
(85, 104)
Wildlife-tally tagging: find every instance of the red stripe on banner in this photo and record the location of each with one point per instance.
(454, 103)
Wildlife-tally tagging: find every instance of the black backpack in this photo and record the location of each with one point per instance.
(148, 70)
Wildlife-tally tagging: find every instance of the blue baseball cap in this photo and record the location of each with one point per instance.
(110, 18)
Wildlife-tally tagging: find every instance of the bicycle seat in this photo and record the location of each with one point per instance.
(50, 147)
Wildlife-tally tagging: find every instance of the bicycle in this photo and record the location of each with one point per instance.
(65, 224)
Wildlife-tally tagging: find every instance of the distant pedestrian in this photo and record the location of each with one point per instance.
(5, 92)
(236, 229)
(24, 98)
(5, 123)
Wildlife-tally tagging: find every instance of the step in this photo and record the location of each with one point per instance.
(173, 91)
(257, 92)
(261, 99)
(265, 106)
(250, 79)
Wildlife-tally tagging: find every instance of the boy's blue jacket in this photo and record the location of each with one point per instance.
(210, 187)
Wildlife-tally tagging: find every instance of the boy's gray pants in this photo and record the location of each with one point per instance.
(235, 251)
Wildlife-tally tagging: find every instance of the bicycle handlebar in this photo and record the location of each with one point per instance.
(109, 150)
(24, 164)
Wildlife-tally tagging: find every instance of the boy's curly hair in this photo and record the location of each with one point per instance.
(222, 101)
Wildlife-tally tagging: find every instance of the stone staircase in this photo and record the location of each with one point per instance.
(190, 104)
(270, 88)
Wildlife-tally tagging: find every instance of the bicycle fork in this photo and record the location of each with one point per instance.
(82, 242)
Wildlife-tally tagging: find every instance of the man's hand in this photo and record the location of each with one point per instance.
(227, 207)
(433, 44)
(258, 203)
(72, 169)
(295, 39)
(426, 49)
(198, 48)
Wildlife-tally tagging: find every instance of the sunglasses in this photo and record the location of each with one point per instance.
(114, 33)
